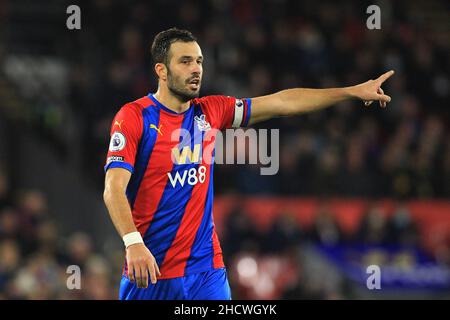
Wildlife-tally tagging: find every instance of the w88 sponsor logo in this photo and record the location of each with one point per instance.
(190, 176)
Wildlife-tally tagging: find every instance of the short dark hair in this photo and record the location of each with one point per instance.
(163, 40)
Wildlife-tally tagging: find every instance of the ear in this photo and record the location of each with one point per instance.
(161, 71)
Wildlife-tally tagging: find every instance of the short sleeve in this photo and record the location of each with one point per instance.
(126, 131)
(228, 112)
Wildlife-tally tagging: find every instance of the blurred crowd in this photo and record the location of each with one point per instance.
(253, 48)
(272, 263)
(283, 261)
(35, 254)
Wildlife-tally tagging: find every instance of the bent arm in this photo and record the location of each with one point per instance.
(302, 100)
(114, 196)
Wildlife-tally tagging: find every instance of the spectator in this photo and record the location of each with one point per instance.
(284, 234)
(325, 229)
(241, 233)
(10, 259)
(373, 228)
(401, 228)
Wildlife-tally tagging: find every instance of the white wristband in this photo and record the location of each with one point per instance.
(132, 238)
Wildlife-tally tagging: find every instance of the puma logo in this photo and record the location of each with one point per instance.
(119, 124)
(152, 126)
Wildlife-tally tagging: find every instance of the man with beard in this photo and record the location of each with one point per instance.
(159, 175)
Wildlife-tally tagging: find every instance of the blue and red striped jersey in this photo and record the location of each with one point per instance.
(170, 192)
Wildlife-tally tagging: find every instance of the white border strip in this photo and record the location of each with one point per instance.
(238, 113)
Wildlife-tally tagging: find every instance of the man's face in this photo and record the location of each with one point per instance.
(184, 71)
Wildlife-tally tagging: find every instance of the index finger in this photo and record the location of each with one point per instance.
(385, 76)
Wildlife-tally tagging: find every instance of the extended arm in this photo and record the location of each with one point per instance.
(297, 101)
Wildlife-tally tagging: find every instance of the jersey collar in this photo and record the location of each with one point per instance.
(159, 104)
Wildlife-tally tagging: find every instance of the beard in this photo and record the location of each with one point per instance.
(179, 87)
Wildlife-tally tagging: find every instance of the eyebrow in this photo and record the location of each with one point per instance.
(190, 57)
